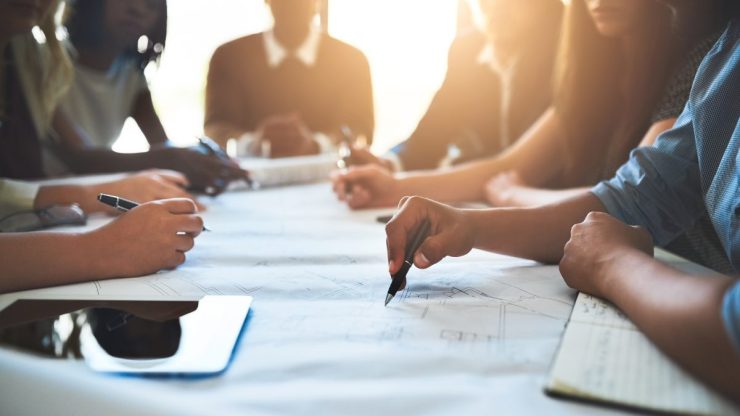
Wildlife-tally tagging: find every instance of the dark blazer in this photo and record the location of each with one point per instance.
(466, 109)
(243, 90)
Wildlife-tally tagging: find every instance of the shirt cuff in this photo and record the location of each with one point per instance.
(731, 315)
(16, 196)
(395, 161)
(606, 192)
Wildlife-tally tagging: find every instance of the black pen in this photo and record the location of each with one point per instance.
(213, 149)
(121, 204)
(400, 277)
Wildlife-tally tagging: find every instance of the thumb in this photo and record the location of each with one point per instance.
(432, 251)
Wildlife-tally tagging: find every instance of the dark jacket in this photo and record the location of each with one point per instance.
(466, 109)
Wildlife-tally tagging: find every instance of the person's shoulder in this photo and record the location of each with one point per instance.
(240, 46)
(678, 87)
(468, 42)
(337, 47)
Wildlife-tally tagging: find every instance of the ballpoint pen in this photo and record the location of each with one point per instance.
(400, 276)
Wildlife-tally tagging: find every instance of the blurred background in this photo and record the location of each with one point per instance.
(406, 42)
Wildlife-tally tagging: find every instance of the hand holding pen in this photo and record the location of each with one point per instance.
(121, 204)
(450, 232)
(212, 148)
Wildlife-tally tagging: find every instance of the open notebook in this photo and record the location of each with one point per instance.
(603, 357)
(290, 170)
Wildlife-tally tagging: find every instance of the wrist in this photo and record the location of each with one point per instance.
(622, 264)
(88, 255)
(476, 220)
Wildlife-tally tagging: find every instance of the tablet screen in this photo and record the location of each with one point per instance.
(134, 337)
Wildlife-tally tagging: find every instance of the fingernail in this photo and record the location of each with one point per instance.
(422, 260)
(390, 266)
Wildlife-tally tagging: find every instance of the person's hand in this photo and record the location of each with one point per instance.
(151, 237)
(147, 186)
(500, 189)
(206, 173)
(452, 232)
(360, 156)
(286, 136)
(597, 244)
(372, 186)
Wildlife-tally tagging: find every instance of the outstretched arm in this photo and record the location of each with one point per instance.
(680, 313)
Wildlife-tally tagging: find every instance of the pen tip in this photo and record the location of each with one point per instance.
(388, 298)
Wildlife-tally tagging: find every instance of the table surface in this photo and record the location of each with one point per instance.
(472, 335)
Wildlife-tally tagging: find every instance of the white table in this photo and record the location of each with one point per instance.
(474, 335)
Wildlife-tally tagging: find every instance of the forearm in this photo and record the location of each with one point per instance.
(32, 260)
(462, 183)
(524, 196)
(536, 157)
(679, 313)
(91, 160)
(83, 195)
(538, 233)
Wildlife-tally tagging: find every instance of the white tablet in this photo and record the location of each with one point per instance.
(187, 338)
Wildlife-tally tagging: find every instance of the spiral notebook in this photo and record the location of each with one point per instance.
(604, 358)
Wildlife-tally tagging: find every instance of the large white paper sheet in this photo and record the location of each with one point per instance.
(474, 335)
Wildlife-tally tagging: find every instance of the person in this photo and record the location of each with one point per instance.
(109, 84)
(604, 239)
(498, 83)
(612, 92)
(290, 90)
(151, 237)
(109, 87)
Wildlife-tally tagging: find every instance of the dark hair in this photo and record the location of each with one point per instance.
(85, 25)
(595, 81)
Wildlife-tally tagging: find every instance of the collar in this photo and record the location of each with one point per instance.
(305, 53)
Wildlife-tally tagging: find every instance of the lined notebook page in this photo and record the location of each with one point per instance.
(604, 357)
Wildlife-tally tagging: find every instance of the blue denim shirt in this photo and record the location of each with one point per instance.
(693, 169)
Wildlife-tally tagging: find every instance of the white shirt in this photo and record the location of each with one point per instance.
(99, 102)
(306, 52)
(276, 53)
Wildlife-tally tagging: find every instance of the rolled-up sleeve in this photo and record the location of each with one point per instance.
(16, 196)
(659, 188)
(731, 315)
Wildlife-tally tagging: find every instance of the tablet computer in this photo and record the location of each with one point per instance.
(158, 338)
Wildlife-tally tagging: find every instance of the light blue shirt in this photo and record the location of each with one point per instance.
(693, 169)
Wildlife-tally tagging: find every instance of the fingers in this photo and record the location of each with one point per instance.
(184, 243)
(175, 259)
(172, 177)
(397, 232)
(178, 205)
(432, 251)
(189, 224)
(339, 185)
(361, 197)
